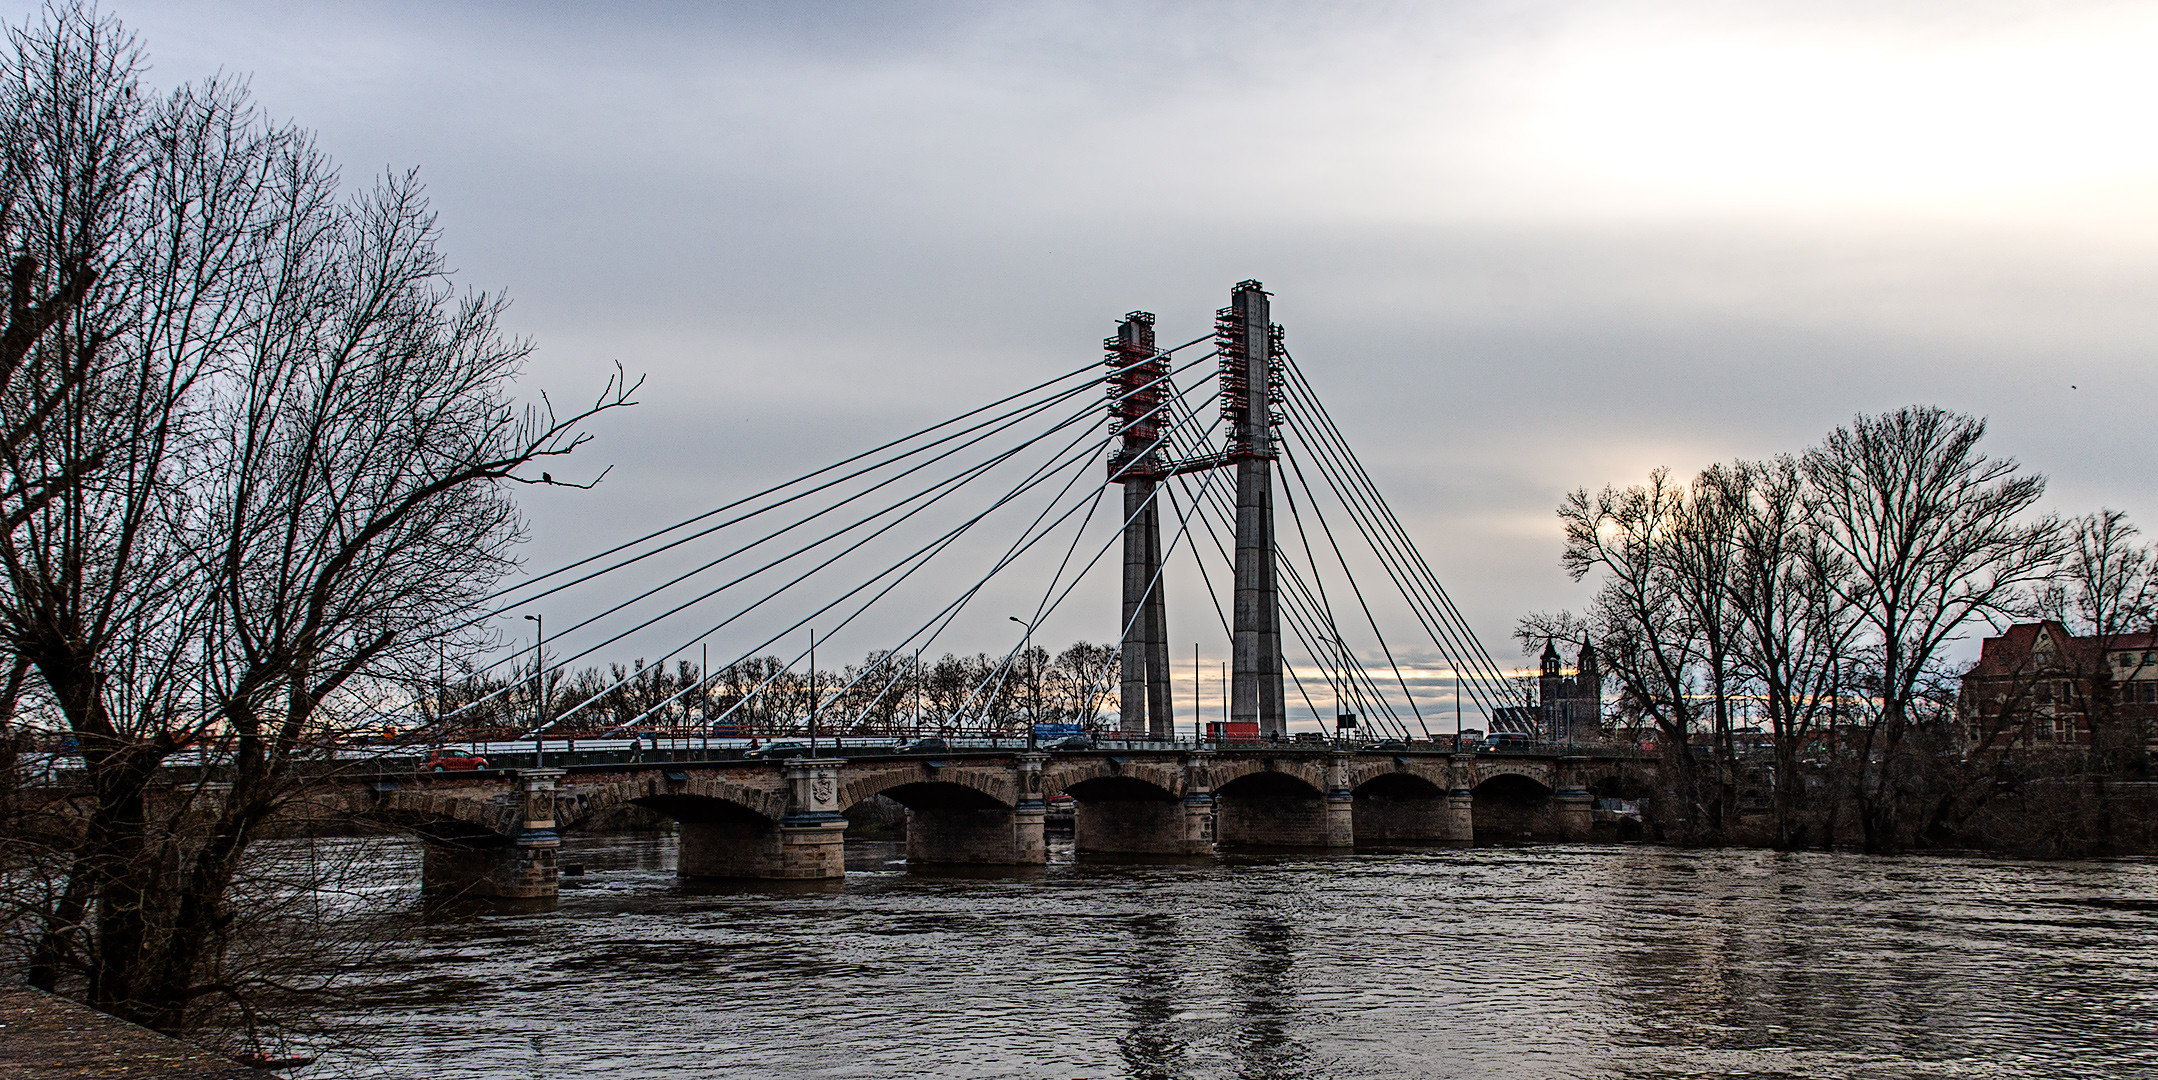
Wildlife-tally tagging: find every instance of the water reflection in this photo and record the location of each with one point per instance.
(1266, 999)
(1153, 1048)
(1528, 962)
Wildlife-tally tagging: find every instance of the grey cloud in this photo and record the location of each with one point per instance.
(816, 225)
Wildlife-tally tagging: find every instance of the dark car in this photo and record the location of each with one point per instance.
(1388, 746)
(446, 760)
(778, 751)
(1508, 740)
(1070, 742)
(931, 745)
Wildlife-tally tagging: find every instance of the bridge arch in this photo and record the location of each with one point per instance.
(1102, 779)
(1401, 805)
(1119, 789)
(1513, 805)
(1401, 784)
(462, 820)
(1228, 775)
(915, 785)
(1540, 773)
(699, 798)
(1271, 803)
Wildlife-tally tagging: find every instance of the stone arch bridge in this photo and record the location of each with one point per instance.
(494, 833)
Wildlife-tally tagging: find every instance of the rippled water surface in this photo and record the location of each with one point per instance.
(1492, 962)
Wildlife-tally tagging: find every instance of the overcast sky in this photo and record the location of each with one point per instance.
(1520, 247)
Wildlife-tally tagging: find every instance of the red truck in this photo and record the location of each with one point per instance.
(1246, 731)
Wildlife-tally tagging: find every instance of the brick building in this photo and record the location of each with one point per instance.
(2039, 685)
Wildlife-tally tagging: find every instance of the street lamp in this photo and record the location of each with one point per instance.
(539, 691)
(1026, 648)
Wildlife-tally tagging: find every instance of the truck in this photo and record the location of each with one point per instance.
(1235, 731)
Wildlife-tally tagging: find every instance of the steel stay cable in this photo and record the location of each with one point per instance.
(961, 477)
(1447, 633)
(894, 680)
(1437, 626)
(1112, 543)
(1006, 421)
(1330, 449)
(919, 558)
(774, 489)
(1366, 682)
(1306, 625)
(1300, 623)
(1306, 636)
(951, 611)
(954, 608)
(1318, 581)
(842, 463)
(1354, 588)
(1166, 434)
(924, 560)
(1099, 494)
(1299, 384)
(1018, 548)
(949, 485)
(1320, 611)
(1003, 423)
(1042, 473)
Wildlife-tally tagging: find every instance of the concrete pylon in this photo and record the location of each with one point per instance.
(1248, 341)
(1138, 389)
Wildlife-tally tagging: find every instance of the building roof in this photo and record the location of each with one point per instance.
(2011, 653)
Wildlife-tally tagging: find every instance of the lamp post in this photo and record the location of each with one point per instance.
(1026, 648)
(539, 690)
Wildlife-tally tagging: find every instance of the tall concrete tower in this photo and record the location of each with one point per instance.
(1250, 348)
(1138, 387)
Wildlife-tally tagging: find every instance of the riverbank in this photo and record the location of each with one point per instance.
(46, 1036)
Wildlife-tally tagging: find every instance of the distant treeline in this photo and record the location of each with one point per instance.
(882, 694)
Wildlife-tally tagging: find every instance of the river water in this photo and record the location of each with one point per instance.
(1531, 962)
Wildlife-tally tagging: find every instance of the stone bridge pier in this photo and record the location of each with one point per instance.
(1286, 803)
(1123, 807)
(1409, 802)
(722, 838)
(950, 823)
(500, 850)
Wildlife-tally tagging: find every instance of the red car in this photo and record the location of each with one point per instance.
(451, 761)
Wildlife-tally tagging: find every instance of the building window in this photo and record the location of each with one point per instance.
(2064, 729)
(2150, 693)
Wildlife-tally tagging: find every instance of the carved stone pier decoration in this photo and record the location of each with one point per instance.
(812, 837)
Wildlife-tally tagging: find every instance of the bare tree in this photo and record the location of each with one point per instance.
(1794, 630)
(292, 437)
(1083, 678)
(2107, 593)
(1934, 534)
(1700, 550)
(1642, 627)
